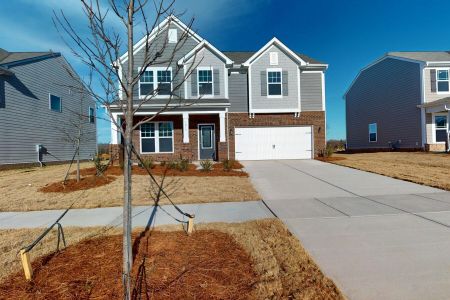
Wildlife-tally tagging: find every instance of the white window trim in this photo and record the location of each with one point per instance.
(50, 102)
(376, 133)
(89, 114)
(281, 82)
(433, 125)
(198, 82)
(155, 82)
(437, 80)
(156, 137)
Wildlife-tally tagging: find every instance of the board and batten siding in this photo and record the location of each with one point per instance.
(26, 119)
(311, 91)
(386, 93)
(238, 95)
(261, 64)
(166, 50)
(206, 59)
(431, 94)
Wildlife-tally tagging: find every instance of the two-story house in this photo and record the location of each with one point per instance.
(401, 100)
(267, 104)
(41, 108)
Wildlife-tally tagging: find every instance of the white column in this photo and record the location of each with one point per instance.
(185, 128)
(114, 130)
(222, 127)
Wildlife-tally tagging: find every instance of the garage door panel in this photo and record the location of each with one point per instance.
(264, 143)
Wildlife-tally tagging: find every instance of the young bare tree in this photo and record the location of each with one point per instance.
(112, 25)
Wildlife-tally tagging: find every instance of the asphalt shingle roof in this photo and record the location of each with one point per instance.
(437, 56)
(239, 57)
(9, 57)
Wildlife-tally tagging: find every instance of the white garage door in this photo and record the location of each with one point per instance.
(263, 143)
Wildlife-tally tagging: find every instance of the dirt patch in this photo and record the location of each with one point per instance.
(427, 168)
(167, 265)
(72, 185)
(159, 170)
(332, 158)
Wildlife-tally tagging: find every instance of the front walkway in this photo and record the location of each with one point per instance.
(376, 237)
(142, 215)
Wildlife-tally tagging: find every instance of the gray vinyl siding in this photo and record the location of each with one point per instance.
(430, 95)
(238, 93)
(261, 65)
(166, 59)
(26, 119)
(311, 91)
(205, 58)
(386, 93)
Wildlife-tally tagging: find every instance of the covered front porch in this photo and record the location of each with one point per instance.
(188, 134)
(437, 128)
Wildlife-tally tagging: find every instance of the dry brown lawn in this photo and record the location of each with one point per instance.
(19, 190)
(281, 268)
(432, 169)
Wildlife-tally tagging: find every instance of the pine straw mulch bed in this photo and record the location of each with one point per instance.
(159, 170)
(331, 158)
(71, 185)
(251, 260)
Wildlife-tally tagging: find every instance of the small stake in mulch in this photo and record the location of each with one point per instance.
(26, 264)
(190, 226)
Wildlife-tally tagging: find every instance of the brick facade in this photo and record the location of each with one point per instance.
(190, 150)
(435, 147)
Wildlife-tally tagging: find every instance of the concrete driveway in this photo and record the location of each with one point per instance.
(376, 237)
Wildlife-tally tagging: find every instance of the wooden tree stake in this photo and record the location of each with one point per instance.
(26, 264)
(190, 226)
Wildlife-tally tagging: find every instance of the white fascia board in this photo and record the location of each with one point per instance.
(274, 110)
(277, 42)
(199, 47)
(161, 26)
(386, 56)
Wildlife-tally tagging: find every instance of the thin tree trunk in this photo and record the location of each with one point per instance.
(78, 160)
(127, 249)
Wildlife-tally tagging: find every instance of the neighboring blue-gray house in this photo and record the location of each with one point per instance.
(401, 100)
(41, 104)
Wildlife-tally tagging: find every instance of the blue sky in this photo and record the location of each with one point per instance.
(347, 34)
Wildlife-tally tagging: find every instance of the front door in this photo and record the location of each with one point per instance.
(207, 145)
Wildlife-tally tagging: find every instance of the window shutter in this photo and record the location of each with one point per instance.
(216, 78)
(2, 94)
(263, 83)
(176, 82)
(285, 83)
(194, 83)
(433, 80)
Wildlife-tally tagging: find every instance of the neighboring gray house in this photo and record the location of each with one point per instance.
(38, 107)
(401, 100)
(266, 104)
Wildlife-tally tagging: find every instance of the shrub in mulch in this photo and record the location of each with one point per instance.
(168, 265)
(234, 165)
(72, 185)
(159, 170)
(331, 158)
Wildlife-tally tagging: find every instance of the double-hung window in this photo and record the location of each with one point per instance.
(55, 103)
(205, 82)
(155, 82)
(157, 137)
(373, 132)
(442, 81)
(274, 83)
(441, 130)
(91, 115)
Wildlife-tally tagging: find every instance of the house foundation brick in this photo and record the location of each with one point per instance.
(435, 147)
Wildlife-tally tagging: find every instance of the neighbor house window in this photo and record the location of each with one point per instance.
(164, 82)
(373, 131)
(273, 83)
(91, 115)
(55, 103)
(442, 81)
(155, 81)
(205, 82)
(146, 83)
(440, 124)
(157, 137)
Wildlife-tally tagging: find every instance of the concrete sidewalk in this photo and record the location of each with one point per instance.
(142, 215)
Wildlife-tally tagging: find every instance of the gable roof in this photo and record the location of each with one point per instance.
(171, 19)
(204, 44)
(13, 57)
(240, 57)
(424, 56)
